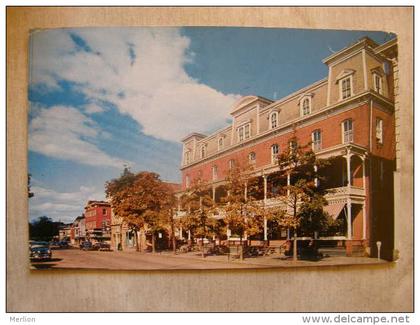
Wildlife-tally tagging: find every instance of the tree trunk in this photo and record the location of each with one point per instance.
(153, 243)
(138, 248)
(173, 232)
(202, 247)
(295, 246)
(241, 251)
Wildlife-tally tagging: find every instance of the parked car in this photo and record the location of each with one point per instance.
(86, 246)
(64, 244)
(40, 251)
(55, 245)
(102, 246)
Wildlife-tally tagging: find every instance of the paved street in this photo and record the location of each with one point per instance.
(131, 260)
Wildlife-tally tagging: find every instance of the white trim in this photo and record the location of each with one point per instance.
(364, 69)
(332, 110)
(329, 85)
(258, 118)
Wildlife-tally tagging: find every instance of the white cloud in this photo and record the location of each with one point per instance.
(141, 71)
(93, 108)
(64, 206)
(65, 133)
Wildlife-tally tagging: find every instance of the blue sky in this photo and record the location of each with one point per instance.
(102, 98)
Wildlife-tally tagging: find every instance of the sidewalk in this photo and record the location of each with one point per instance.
(276, 260)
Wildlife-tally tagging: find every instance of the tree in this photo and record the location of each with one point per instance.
(303, 204)
(243, 214)
(200, 209)
(30, 194)
(43, 228)
(142, 200)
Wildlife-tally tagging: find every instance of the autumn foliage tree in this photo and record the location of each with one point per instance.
(200, 209)
(303, 204)
(142, 200)
(243, 213)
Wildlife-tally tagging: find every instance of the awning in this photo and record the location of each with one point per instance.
(334, 209)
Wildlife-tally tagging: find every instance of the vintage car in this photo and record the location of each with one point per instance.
(40, 251)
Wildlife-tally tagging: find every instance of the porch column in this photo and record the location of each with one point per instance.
(365, 191)
(213, 189)
(189, 234)
(349, 234)
(364, 221)
(265, 203)
(227, 232)
(349, 176)
(246, 191)
(180, 233)
(265, 229)
(288, 184)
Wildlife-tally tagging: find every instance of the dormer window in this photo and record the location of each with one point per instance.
(346, 85)
(377, 83)
(305, 106)
(203, 151)
(244, 132)
(345, 81)
(274, 120)
(220, 143)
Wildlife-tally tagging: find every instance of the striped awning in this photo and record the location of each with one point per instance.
(334, 209)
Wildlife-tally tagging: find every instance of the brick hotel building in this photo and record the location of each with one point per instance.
(349, 115)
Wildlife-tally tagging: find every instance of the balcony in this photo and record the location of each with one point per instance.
(342, 192)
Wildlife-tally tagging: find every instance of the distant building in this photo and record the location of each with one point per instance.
(98, 221)
(78, 233)
(64, 232)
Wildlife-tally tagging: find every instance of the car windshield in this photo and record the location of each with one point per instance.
(40, 244)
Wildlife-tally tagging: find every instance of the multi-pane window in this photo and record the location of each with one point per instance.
(274, 153)
(231, 164)
(187, 157)
(346, 87)
(247, 131)
(316, 140)
(377, 83)
(379, 130)
(273, 120)
(347, 128)
(203, 151)
(220, 143)
(103, 211)
(252, 157)
(244, 132)
(306, 106)
(214, 173)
